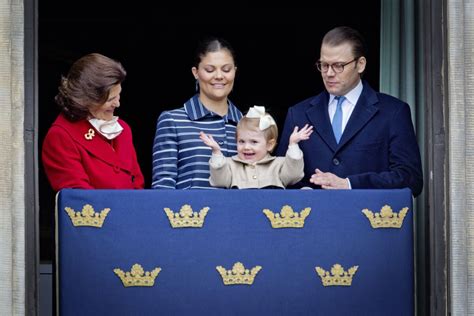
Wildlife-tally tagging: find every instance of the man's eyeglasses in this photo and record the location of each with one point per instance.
(336, 67)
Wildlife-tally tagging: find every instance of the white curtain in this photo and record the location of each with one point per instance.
(12, 205)
(460, 20)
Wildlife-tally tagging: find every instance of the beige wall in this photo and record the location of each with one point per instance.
(460, 19)
(12, 206)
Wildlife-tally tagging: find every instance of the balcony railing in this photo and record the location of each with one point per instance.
(336, 263)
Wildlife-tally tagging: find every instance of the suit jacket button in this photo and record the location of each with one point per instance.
(336, 162)
(254, 177)
(116, 169)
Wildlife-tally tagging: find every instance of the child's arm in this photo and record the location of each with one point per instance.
(221, 175)
(292, 170)
(210, 141)
(302, 134)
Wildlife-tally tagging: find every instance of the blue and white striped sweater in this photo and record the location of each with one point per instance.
(180, 158)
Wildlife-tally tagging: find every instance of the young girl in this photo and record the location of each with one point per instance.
(254, 166)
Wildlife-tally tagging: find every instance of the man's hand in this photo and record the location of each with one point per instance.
(328, 180)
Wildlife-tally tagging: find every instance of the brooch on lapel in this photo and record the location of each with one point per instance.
(90, 134)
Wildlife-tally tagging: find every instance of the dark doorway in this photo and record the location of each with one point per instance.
(276, 51)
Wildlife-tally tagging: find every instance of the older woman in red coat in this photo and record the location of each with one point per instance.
(87, 147)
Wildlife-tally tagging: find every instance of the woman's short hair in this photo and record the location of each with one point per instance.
(88, 84)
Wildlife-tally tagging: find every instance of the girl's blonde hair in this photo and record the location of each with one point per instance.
(252, 124)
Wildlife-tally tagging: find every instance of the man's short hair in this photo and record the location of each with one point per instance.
(345, 34)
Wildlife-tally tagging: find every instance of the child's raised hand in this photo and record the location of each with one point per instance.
(210, 141)
(302, 134)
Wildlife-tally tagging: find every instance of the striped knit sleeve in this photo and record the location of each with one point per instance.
(165, 153)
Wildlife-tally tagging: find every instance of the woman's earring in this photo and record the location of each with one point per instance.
(197, 85)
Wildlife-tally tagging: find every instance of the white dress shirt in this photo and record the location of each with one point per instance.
(347, 106)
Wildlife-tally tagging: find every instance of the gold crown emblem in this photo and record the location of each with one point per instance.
(87, 217)
(287, 218)
(137, 276)
(386, 218)
(186, 217)
(337, 276)
(238, 274)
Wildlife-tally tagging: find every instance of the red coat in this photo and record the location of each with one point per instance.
(71, 160)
